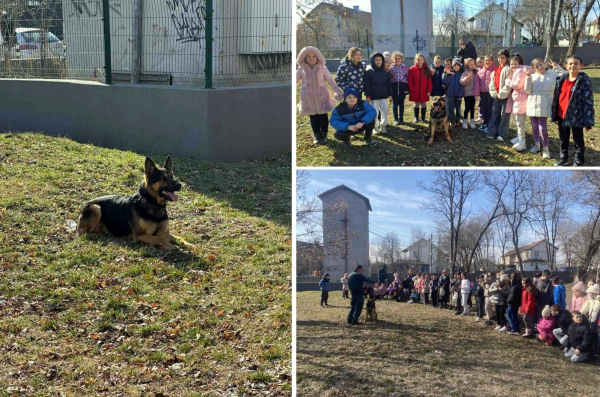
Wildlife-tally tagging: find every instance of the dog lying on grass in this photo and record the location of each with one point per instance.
(142, 215)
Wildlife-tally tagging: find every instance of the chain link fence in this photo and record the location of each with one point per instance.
(200, 42)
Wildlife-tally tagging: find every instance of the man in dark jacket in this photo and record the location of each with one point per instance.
(378, 88)
(579, 344)
(355, 285)
(514, 302)
(480, 298)
(352, 117)
(381, 275)
(545, 294)
(563, 322)
(467, 50)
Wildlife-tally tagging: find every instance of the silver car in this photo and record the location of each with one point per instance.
(29, 44)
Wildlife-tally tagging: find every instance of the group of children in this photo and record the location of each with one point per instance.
(541, 301)
(511, 87)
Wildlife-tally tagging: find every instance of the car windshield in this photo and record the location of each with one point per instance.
(35, 37)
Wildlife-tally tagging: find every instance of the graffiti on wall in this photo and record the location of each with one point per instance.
(187, 17)
(92, 8)
(386, 39)
(419, 44)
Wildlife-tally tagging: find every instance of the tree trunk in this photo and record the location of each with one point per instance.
(578, 29)
(553, 28)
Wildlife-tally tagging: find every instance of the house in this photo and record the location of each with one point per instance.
(534, 257)
(345, 27)
(490, 21)
(345, 231)
(592, 31)
(427, 255)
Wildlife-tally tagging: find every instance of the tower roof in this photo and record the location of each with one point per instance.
(344, 187)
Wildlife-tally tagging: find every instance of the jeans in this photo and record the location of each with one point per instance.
(560, 336)
(319, 123)
(487, 102)
(480, 306)
(565, 134)
(344, 136)
(539, 126)
(398, 105)
(574, 358)
(356, 303)
(453, 108)
(513, 319)
(324, 297)
(501, 315)
(498, 125)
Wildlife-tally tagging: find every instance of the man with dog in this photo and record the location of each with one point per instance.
(355, 284)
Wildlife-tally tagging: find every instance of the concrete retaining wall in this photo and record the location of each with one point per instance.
(228, 124)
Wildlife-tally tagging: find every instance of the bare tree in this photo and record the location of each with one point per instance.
(588, 191)
(551, 203)
(389, 250)
(450, 190)
(517, 204)
(577, 12)
(503, 238)
(534, 15)
(454, 18)
(566, 240)
(552, 31)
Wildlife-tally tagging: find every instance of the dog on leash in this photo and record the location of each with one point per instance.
(371, 312)
(438, 118)
(142, 215)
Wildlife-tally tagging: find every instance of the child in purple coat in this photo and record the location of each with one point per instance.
(545, 326)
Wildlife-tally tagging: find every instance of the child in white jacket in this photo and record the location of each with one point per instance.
(540, 87)
(465, 289)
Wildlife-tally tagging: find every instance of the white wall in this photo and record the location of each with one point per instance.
(358, 229)
(389, 34)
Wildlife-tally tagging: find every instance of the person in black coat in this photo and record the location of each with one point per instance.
(563, 322)
(480, 298)
(378, 89)
(381, 273)
(579, 344)
(445, 286)
(434, 285)
(467, 50)
(514, 302)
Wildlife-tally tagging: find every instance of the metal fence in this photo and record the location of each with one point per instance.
(201, 42)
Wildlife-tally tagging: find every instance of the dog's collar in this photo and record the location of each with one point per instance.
(148, 205)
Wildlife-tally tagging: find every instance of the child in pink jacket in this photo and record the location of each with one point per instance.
(486, 101)
(315, 97)
(516, 80)
(470, 81)
(545, 326)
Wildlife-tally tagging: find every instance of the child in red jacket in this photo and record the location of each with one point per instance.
(528, 295)
(420, 86)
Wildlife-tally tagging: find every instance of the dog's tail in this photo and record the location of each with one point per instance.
(89, 219)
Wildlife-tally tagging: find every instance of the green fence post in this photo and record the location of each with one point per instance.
(208, 38)
(107, 56)
(452, 38)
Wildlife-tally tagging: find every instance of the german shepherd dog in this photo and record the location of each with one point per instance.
(142, 216)
(438, 118)
(371, 313)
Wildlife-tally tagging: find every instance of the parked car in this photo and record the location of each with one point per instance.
(29, 43)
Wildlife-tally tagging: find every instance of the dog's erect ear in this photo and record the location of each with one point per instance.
(149, 167)
(169, 164)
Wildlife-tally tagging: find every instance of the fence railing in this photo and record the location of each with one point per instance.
(201, 42)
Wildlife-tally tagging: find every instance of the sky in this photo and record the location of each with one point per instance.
(396, 199)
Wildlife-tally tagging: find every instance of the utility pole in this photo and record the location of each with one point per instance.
(345, 220)
(430, 252)
(506, 32)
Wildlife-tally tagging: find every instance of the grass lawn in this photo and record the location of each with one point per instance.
(95, 315)
(404, 146)
(397, 356)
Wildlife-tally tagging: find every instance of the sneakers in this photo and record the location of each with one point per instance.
(535, 148)
(464, 124)
(520, 145)
(472, 124)
(415, 120)
(500, 139)
(483, 128)
(477, 319)
(497, 328)
(562, 162)
(370, 142)
(504, 329)
(489, 136)
(383, 130)
(545, 152)
(396, 122)
(514, 140)
(376, 130)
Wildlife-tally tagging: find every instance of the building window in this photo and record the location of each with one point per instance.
(536, 254)
(347, 23)
(484, 23)
(349, 39)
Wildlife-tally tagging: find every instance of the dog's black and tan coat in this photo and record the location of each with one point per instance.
(438, 118)
(142, 216)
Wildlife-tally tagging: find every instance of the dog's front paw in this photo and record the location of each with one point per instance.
(430, 142)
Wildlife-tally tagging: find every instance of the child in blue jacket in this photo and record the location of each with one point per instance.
(454, 91)
(325, 287)
(352, 117)
(560, 293)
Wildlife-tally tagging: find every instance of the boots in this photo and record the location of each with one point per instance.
(323, 138)
(528, 333)
(416, 119)
(317, 138)
(423, 111)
